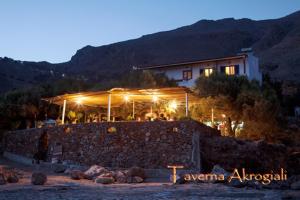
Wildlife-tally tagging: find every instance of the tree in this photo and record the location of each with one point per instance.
(238, 101)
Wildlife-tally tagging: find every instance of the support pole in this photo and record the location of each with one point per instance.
(133, 109)
(64, 112)
(186, 105)
(212, 117)
(108, 107)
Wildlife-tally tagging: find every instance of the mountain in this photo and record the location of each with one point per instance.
(276, 42)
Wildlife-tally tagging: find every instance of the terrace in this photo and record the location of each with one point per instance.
(123, 104)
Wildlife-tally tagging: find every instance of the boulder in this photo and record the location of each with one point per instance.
(179, 178)
(136, 171)
(104, 180)
(137, 179)
(68, 171)
(295, 185)
(12, 177)
(94, 171)
(77, 175)
(120, 177)
(129, 179)
(38, 178)
(59, 168)
(8, 175)
(220, 171)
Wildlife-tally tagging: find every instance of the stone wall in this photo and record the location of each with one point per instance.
(153, 145)
(118, 144)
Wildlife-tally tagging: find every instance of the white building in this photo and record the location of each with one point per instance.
(186, 73)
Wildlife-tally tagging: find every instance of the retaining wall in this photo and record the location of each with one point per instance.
(119, 144)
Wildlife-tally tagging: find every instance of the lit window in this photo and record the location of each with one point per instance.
(208, 72)
(187, 75)
(230, 70)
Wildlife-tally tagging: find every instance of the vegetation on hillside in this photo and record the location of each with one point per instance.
(19, 109)
(243, 108)
(247, 110)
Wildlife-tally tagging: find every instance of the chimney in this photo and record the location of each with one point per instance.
(247, 51)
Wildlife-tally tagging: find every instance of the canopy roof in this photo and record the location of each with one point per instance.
(120, 95)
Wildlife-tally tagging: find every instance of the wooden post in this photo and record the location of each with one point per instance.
(64, 112)
(133, 109)
(186, 105)
(108, 107)
(212, 117)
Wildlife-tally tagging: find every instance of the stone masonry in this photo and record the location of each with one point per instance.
(117, 144)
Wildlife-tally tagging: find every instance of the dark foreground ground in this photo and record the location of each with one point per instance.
(62, 187)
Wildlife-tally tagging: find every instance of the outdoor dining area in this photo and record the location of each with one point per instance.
(124, 104)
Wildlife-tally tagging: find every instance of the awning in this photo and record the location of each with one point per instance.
(120, 95)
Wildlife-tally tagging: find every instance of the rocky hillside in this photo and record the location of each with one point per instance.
(276, 42)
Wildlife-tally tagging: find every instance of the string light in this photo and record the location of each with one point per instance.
(79, 100)
(173, 105)
(154, 98)
(126, 98)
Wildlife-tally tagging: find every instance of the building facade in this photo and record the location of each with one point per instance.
(186, 73)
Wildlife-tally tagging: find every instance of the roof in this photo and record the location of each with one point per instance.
(118, 95)
(195, 62)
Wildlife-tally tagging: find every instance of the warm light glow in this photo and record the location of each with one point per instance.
(126, 98)
(173, 105)
(154, 98)
(230, 70)
(208, 72)
(79, 100)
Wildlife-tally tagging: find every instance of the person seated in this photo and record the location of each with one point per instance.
(162, 117)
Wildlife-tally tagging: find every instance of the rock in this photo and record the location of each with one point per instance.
(38, 178)
(179, 179)
(68, 171)
(295, 185)
(94, 171)
(104, 180)
(136, 171)
(220, 171)
(12, 178)
(2, 179)
(120, 177)
(129, 179)
(77, 175)
(137, 179)
(108, 174)
(9, 175)
(59, 168)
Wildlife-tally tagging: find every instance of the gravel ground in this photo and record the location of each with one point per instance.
(62, 187)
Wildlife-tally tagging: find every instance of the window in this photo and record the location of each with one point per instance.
(230, 70)
(187, 75)
(206, 72)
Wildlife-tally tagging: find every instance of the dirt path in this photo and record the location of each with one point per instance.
(62, 187)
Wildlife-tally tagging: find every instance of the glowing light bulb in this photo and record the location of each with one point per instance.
(126, 98)
(79, 100)
(154, 98)
(173, 105)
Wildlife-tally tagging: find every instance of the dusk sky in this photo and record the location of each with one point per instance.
(36, 30)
